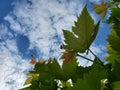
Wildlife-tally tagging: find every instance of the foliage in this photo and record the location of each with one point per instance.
(50, 75)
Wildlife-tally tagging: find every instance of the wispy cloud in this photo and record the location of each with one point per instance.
(42, 22)
(12, 65)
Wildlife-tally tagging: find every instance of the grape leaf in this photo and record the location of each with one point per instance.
(55, 70)
(114, 41)
(91, 80)
(114, 38)
(116, 0)
(47, 82)
(33, 61)
(31, 76)
(40, 67)
(114, 75)
(115, 20)
(68, 69)
(116, 85)
(67, 57)
(62, 73)
(28, 81)
(35, 84)
(82, 35)
(79, 72)
(113, 55)
(101, 9)
(27, 88)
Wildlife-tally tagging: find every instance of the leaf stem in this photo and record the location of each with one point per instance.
(85, 58)
(89, 59)
(95, 55)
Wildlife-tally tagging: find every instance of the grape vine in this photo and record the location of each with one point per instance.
(50, 75)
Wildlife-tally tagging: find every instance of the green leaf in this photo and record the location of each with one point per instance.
(113, 47)
(116, 0)
(40, 67)
(35, 84)
(82, 35)
(62, 73)
(114, 75)
(114, 41)
(47, 82)
(27, 88)
(91, 80)
(114, 19)
(79, 73)
(101, 9)
(31, 76)
(68, 69)
(28, 81)
(114, 38)
(115, 12)
(45, 78)
(116, 85)
(55, 70)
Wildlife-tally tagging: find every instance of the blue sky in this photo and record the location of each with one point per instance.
(35, 27)
(5, 7)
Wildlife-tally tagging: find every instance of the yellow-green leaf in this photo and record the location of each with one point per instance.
(32, 74)
(28, 81)
(116, 85)
(101, 9)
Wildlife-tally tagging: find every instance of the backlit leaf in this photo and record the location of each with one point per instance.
(67, 57)
(101, 9)
(82, 35)
(33, 61)
(116, 85)
(28, 81)
(92, 79)
(68, 69)
(41, 61)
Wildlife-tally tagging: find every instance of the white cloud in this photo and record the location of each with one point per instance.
(14, 25)
(12, 69)
(11, 63)
(43, 22)
(4, 34)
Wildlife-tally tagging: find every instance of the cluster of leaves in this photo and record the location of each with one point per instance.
(113, 47)
(50, 75)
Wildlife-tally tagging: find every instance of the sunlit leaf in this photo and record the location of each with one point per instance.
(82, 35)
(91, 80)
(28, 81)
(32, 74)
(68, 69)
(33, 61)
(101, 9)
(55, 69)
(42, 61)
(116, 85)
(67, 57)
(114, 75)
